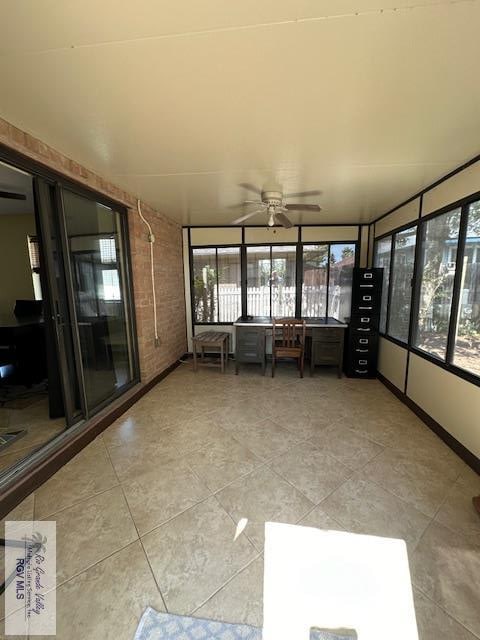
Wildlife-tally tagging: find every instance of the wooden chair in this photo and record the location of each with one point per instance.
(288, 341)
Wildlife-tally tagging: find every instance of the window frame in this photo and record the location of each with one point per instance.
(446, 364)
(298, 246)
(192, 291)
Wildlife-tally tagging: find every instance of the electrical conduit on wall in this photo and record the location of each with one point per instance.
(151, 240)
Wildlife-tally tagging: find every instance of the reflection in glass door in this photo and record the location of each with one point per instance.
(93, 238)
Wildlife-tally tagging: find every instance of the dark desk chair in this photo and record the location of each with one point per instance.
(288, 341)
(28, 308)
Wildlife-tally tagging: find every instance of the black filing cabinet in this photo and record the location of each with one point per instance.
(362, 344)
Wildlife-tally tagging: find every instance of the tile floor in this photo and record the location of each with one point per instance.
(147, 513)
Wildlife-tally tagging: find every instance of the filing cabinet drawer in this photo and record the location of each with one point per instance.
(365, 323)
(372, 276)
(363, 344)
(366, 302)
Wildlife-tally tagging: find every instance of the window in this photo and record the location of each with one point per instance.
(216, 284)
(467, 340)
(327, 280)
(383, 254)
(436, 273)
(401, 283)
(314, 290)
(342, 261)
(271, 286)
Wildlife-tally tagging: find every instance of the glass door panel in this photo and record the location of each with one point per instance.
(97, 271)
(65, 394)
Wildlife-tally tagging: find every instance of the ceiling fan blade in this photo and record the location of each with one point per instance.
(247, 216)
(10, 195)
(283, 220)
(300, 194)
(302, 207)
(250, 187)
(245, 203)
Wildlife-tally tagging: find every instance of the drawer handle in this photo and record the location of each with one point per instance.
(360, 329)
(368, 275)
(369, 286)
(361, 350)
(367, 298)
(362, 362)
(361, 371)
(365, 308)
(363, 340)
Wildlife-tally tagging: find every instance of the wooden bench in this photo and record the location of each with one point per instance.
(211, 339)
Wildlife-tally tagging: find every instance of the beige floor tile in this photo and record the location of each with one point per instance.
(446, 567)
(192, 434)
(222, 461)
(260, 497)
(376, 426)
(311, 470)
(301, 421)
(162, 493)
(434, 624)
(90, 472)
(131, 460)
(107, 600)
(347, 446)
(240, 600)
(241, 413)
(412, 480)
(266, 439)
(132, 430)
(194, 554)
(364, 507)
(319, 519)
(457, 511)
(91, 530)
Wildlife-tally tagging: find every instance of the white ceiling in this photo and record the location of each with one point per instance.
(179, 101)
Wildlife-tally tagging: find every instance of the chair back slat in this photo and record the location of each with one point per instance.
(289, 330)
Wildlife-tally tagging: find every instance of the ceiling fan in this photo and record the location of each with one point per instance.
(11, 195)
(273, 203)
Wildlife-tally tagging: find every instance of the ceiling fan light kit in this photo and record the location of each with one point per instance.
(273, 203)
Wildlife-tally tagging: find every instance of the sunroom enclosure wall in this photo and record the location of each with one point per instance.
(282, 272)
(444, 385)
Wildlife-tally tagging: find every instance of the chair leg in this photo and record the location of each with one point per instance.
(194, 356)
(273, 365)
(301, 366)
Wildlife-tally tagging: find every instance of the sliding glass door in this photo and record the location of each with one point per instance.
(97, 273)
(88, 291)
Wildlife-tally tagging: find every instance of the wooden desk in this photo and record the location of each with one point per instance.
(326, 336)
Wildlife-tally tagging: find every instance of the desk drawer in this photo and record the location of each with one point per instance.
(327, 352)
(327, 335)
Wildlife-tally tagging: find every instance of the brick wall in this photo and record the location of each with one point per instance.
(167, 256)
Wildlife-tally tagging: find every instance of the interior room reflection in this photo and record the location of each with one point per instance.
(31, 409)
